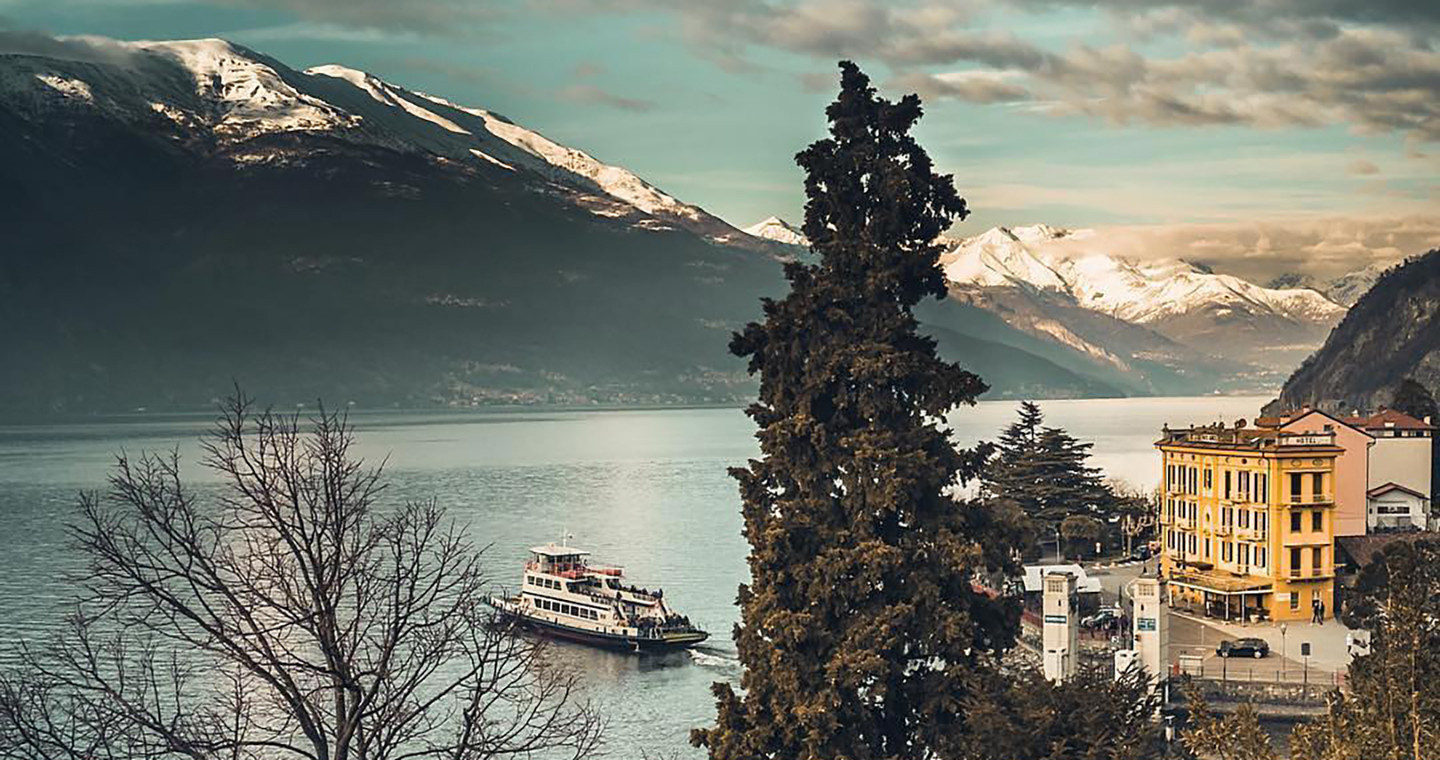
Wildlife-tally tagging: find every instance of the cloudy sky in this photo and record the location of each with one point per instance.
(1262, 136)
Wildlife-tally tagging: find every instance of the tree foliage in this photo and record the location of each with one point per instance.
(1415, 400)
(860, 629)
(1392, 708)
(281, 614)
(1023, 716)
(1045, 471)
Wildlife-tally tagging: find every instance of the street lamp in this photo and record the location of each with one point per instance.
(1283, 629)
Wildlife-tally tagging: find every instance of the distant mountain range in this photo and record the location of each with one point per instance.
(1160, 326)
(180, 216)
(1391, 333)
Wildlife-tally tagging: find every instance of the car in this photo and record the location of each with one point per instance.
(1256, 648)
(1140, 553)
(1104, 617)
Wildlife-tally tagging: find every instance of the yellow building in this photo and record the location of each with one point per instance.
(1247, 521)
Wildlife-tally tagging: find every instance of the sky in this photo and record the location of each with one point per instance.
(1261, 137)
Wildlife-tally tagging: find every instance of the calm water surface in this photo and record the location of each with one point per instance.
(645, 489)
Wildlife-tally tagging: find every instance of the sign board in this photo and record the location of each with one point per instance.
(1306, 440)
(1060, 619)
(1145, 624)
(1304, 649)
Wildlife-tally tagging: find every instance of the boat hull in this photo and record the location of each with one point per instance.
(552, 629)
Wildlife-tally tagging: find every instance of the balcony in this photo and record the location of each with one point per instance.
(1185, 523)
(1312, 574)
(1222, 530)
(1310, 499)
(1315, 538)
(1166, 519)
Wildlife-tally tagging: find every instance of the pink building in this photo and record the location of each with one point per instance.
(1352, 469)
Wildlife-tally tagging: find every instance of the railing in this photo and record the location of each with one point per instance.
(1222, 530)
(1310, 499)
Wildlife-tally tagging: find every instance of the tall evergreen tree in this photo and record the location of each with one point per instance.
(1045, 471)
(860, 628)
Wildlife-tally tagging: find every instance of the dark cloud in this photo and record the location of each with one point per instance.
(590, 94)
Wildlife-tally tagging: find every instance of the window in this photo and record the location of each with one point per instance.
(1260, 557)
(1262, 521)
(1244, 518)
(1295, 561)
(1244, 554)
(1295, 600)
(1295, 486)
(1228, 488)
(1207, 548)
(1209, 479)
(1317, 560)
(1244, 482)
(1317, 521)
(1317, 484)
(1295, 521)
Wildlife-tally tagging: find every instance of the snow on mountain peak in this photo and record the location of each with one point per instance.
(1073, 264)
(777, 229)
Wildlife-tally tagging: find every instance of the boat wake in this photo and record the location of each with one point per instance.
(715, 659)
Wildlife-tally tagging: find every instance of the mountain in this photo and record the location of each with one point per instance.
(777, 229)
(1163, 318)
(1391, 333)
(1348, 288)
(181, 216)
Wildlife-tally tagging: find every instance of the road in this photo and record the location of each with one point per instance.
(1192, 636)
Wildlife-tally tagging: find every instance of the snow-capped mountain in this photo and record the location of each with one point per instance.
(1141, 292)
(213, 91)
(1044, 280)
(1348, 288)
(777, 229)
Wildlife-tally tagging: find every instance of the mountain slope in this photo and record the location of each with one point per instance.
(777, 229)
(180, 216)
(1183, 315)
(1392, 332)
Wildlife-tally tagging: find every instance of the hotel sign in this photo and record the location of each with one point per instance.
(1307, 440)
(1058, 619)
(1145, 624)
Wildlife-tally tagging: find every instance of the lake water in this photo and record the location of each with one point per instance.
(645, 489)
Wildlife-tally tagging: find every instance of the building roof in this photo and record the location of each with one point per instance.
(1035, 574)
(1363, 550)
(1258, 440)
(1388, 487)
(1290, 418)
(1388, 419)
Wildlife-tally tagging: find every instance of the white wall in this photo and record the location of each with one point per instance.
(1402, 461)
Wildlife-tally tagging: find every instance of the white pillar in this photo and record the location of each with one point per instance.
(1151, 622)
(1062, 640)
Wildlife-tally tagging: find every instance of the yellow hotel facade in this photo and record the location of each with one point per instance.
(1247, 522)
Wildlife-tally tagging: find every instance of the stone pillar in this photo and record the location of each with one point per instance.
(1151, 622)
(1062, 640)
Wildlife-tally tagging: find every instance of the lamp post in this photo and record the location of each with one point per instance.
(1283, 629)
(1058, 558)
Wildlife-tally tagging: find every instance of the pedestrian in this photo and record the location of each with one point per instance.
(1320, 612)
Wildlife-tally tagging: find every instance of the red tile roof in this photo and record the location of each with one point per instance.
(1388, 487)
(1388, 418)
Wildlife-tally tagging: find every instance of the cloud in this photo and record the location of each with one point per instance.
(1321, 248)
(446, 18)
(591, 94)
(1362, 167)
(974, 86)
(86, 49)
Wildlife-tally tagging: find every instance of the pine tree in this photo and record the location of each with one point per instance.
(1045, 471)
(860, 628)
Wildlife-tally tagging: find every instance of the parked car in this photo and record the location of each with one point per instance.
(1141, 552)
(1256, 648)
(1101, 619)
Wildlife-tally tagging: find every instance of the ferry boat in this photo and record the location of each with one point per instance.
(566, 596)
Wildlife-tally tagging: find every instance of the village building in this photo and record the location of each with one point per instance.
(1399, 469)
(1248, 519)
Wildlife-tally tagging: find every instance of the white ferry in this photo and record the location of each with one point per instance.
(565, 596)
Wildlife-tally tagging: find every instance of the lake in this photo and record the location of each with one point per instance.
(644, 489)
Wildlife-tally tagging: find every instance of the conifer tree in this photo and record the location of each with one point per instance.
(860, 628)
(1045, 471)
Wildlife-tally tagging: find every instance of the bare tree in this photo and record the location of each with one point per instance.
(289, 616)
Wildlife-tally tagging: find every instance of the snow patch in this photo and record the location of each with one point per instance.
(71, 88)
